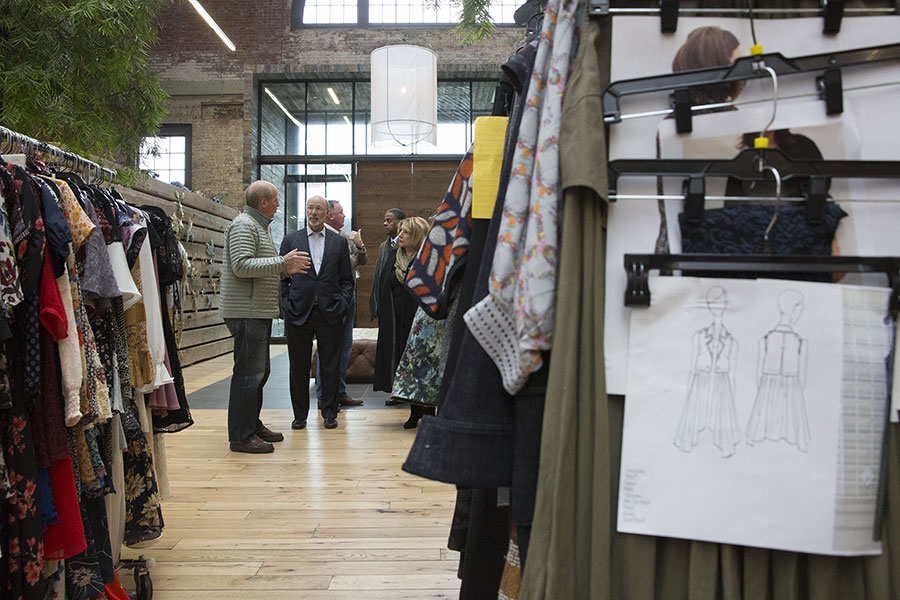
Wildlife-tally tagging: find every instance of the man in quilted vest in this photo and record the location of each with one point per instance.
(251, 283)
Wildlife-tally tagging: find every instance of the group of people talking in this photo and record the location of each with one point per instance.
(310, 283)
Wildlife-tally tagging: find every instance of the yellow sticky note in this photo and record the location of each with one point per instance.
(487, 155)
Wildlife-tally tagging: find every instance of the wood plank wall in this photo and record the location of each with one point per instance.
(415, 187)
(204, 335)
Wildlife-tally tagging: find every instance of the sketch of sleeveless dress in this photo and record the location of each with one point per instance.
(710, 397)
(779, 411)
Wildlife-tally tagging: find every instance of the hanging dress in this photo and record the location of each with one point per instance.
(418, 375)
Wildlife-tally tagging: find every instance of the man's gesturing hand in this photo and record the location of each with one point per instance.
(296, 261)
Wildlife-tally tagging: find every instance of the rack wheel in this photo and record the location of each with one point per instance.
(143, 585)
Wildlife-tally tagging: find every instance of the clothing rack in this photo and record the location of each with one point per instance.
(831, 11)
(11, 140)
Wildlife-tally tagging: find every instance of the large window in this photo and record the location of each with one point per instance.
(167, 155)
(319, 118)
(390, 12)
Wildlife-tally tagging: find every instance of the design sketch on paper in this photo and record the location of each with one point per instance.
(779, 411)
(711, 383)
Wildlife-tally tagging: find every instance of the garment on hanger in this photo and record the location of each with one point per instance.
(739, 229)
(514, 322)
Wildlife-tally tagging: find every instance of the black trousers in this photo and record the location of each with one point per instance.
(251, 371)
(299, 342)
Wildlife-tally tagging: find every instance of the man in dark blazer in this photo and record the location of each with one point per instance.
(315, 303)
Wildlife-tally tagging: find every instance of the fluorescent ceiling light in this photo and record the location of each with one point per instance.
(333, 95)
(347, 120)
(281, 106)
(209, 21)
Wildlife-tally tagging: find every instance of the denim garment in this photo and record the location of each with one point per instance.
(470, 443)
(251, 370)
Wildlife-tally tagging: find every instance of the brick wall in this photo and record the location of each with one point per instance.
(217, 145)
(214, 89)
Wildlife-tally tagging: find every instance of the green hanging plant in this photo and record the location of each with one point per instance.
(74, 73)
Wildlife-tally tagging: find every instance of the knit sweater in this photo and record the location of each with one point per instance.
(252, 273)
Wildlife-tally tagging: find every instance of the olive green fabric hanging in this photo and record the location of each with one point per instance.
(575, 552)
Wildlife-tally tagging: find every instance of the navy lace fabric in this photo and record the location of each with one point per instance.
(739, 229)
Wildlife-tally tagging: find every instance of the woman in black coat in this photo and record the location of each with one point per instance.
(396, 306)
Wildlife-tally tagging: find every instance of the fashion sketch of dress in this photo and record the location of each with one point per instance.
(779, 411)
(711, 380)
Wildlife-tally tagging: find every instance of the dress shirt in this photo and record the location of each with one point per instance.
(394, 241)
(316, 247)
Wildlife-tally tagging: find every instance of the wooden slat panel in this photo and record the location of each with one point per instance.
(168, 192)
(190, 356)
(198, 216)
(416, 188)
(204, 335)
(198, 250)
(202, 319)
(201, 235)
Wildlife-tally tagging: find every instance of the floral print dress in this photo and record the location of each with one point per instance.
(418, 376)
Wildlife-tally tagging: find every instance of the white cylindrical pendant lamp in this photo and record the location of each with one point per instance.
(404, 95)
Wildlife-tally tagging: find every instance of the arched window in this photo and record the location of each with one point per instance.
(399, 13)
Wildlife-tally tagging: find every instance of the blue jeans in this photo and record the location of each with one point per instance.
(346, 347)
(251, 370)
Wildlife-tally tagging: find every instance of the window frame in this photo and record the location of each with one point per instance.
(269, 159)
(177, 130)
(362, 20)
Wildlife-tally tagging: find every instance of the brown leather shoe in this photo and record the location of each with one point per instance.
(254, 445)
(267, 435)
(348, 401)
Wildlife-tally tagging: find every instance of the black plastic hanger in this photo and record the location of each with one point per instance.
(747, 166)
(832, 12)
(746, 68)
(638, 267)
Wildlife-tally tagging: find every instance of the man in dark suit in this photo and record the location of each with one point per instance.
(391, 221)
(315, 303)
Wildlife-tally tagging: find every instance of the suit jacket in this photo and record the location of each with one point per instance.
(384, 253)
(331, 288)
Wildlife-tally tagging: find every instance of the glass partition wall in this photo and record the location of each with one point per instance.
(312, 134)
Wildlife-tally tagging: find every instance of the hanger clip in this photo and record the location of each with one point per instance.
(816, 198)
(833, 13)
(637, 291)
(681, 104)
(598, 7)
(668, 16)
(694, 190)
(831, 89)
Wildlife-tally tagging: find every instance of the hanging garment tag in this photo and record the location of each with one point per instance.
(490, 135)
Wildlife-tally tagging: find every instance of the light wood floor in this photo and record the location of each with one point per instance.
(328, 516)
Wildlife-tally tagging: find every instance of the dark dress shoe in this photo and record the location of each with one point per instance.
(348, 401)
(295, 424)
(330, 423)
(266, 434)
(254, 445)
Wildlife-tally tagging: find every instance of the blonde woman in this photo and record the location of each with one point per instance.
(396, 306)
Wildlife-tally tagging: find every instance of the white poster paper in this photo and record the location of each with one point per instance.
(866, 130)
(755, 414)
